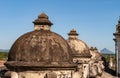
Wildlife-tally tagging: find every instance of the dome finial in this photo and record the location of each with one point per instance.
(95, 48)
(73, 32)
(43, 19)
(91, 48)
(42, 22)
(73, 29)
(43, 15)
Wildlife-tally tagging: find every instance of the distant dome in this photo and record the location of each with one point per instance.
(95, 54)
(78, 47)
(40, 48)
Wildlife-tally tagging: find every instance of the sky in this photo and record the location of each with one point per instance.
(94, 20)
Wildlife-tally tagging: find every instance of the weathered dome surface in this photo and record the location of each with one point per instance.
(79, 48)
(40, 48)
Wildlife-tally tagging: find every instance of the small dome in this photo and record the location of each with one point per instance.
(95, 54)
(78, 47)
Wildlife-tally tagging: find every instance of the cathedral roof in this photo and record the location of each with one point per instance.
(79, 47)
(40, 48)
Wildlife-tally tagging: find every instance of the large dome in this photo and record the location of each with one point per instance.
(79, 47)
(40, 47)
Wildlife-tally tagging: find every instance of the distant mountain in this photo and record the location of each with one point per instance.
(4, 50)
(106, 51)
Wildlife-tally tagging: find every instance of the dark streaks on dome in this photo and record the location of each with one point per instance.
(40, 46)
